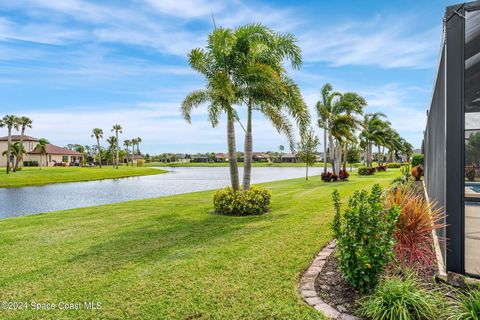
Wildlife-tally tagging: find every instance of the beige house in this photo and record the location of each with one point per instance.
(53, 155)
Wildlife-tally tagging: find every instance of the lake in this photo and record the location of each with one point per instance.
(29, 200)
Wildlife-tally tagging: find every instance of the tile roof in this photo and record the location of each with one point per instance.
(16, 137)
(52, 149)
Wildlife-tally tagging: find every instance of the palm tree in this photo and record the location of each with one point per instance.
(282, 149)
(342, 129)
(11, 122)
(98, 134)
(42, 148)
(352, 105)
(325, 109)
(216, 64)
(112, 143)
(24, 123)
(138, 140)
(16, 151)
(264, 86)
(117, 129)
(373, 132)
(128, 143)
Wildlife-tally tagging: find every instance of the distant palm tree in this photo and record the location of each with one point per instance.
(127, 143)
(16, 151)
(11, 122)
(24, 123)
(117, 129)
(98, 134)
(138, 140)
(325, 110)
(282, 149)
(373, 132)
(42, 148)
(112, 143)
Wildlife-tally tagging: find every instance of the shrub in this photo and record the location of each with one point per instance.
(140, 162)
(326, 176)
(364, 237)
(397, 299)
(417, 160)
(417, 172)
(405, 170)
(381, 168)
(413, 234)
(30, 163)
(364, 171)
(393, 165)
(466, 307)
(470, 173)
(343, 175)
(334, 177)
(254, 201)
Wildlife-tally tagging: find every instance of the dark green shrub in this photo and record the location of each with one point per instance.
(30, 163)
(364, 237)
(466, 307)
(364, 171)
(393, 165)
(417, 160)
(397, 299)
(254, 201)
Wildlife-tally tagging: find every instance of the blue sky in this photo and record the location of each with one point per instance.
(73, 65)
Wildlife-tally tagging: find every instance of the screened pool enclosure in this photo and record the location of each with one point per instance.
(452, 138)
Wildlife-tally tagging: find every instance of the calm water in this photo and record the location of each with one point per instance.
(29, 200)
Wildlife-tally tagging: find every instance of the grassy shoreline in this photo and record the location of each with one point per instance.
(170, 257)
(32, 176)
(240, 164)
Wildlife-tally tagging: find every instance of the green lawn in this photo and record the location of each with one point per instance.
(171, 257)
(225, 164)
(30, 176)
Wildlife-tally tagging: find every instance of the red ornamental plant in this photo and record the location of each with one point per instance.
(334, 177)
(343, 175)
(327, 176)
(381, 168)
(413, 235)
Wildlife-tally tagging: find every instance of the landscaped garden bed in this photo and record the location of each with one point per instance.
(384, 263)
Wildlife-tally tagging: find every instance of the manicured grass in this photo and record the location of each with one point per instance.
(225, 164)
(31, 176)
(171, 257)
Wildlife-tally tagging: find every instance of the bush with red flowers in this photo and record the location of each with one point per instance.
(381, 168)
(343, 175)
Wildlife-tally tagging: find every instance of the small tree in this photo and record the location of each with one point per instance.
(307, 149)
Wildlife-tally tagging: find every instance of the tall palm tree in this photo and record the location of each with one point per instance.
(342, 128)
(98, 134)
(117, 129)
(216, 63)
(127, 143)
(11, 122)
(16, 151)
(325, 109)
(263, 84)
(112, 143)
(352, 105)
(24, 123)
(138, 140)
(373, 132)
(42, 148)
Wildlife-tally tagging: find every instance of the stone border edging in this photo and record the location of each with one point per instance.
(307, 286)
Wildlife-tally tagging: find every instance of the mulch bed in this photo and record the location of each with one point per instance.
(333, 289)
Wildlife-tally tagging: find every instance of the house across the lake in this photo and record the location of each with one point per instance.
(53, 155)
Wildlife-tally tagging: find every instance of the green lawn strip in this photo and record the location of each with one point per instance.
(30, 176)
(171, 257)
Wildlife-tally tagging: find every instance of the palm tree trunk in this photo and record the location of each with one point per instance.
(331, 151)
(369, 154)
(116, 149)
(9, 145)
(345, 150)
(379, 160)
(17, 160)
(99, 153)
(324, 150)
(248, 156)
(232, 153)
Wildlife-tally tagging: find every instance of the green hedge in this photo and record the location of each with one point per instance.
(30, 163)
(417, 160)
(254, 201)
(364, 171)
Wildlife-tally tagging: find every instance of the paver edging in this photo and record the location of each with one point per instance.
(307, 286)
